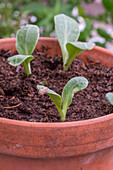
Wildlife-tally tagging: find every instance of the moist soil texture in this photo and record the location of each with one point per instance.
(20, 100)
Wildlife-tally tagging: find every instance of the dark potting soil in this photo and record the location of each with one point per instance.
(19, 98)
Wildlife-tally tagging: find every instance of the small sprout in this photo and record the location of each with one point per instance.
(26, 40)
(62, 103)
(68, 32)
(109, 97)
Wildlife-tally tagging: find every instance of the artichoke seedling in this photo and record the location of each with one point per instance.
(67, 31)
(62, 103)
(26, 40)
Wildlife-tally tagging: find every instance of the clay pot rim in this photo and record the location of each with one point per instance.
(55, 39)
(57, 124)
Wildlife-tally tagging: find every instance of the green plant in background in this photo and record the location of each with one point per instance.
(26, 40)
(62, 103)
(20, 12)
(74, 2)
(67, 31)
(6, 27)
(104, 35)
(45, 13)
(10, 17)
(108, 4)
(86, 33)
(89, 1)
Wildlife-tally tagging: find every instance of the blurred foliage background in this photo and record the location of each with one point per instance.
(95, 27)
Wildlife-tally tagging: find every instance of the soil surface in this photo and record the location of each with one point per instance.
(19, 98)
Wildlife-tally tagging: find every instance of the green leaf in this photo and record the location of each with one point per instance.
(108, 4)
(75, 48)
(22, 59)
(66, 9)
(100, 44)
(46, 20)
(56, 98)
(36, 8)
(86, 33)
(67, 30)
(19, 59)
(57, 7)
(26, 39)
(109, 97)
(104, 34)
(74, 85)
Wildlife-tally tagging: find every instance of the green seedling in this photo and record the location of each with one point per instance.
(62, 103)
(68, 32)
(26, 40)
(109, 97)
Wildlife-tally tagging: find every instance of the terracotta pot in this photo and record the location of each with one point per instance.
(81, 145)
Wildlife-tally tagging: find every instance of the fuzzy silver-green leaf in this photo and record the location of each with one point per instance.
(67, 30)
(19, 59)
(74, 85)
(56, 98)
(75, 48)
(109, 97)
(26, 39)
